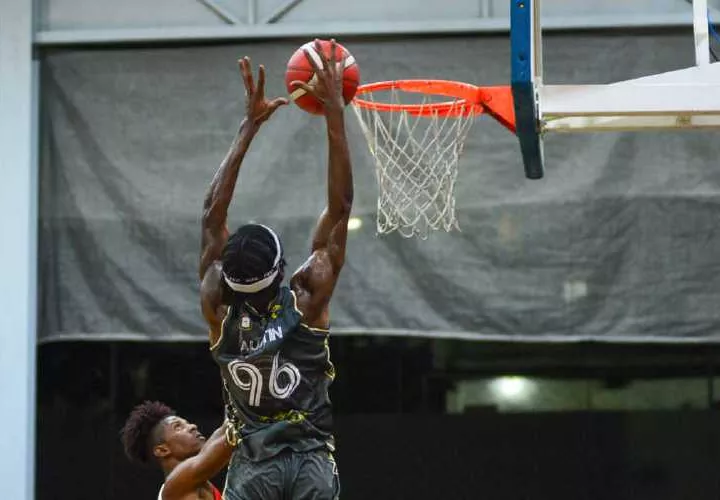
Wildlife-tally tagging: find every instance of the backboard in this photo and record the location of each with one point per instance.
(684, 99)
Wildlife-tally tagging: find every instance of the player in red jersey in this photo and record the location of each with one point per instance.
(154, 433)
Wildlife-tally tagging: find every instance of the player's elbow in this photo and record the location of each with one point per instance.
(212, 220)
(209, 201)
(348, 195)
(212, 209)
(338, 262)
(340, 210)
(340, 198)
(208, 214)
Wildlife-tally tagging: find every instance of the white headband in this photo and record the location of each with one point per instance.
(256, 284)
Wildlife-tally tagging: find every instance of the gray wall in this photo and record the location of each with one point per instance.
(619, 242)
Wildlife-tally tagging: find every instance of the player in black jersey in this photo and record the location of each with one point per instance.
(270, 340)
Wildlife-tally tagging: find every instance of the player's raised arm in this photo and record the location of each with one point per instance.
(193, 473)
(220, 192)
(315, 281)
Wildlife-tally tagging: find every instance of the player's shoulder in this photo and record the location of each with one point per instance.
(213, 273)
(211, 299)
(211, 284)
(216, 494)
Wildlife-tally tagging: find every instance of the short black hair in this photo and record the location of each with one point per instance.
(250, 252)
(141, 432)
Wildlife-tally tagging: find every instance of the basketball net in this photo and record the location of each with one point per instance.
(416, 156)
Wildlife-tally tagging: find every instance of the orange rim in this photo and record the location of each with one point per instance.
(496, 101)
(467, 97)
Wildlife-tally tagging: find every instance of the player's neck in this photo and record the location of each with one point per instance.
(168, 465)
(261, 304)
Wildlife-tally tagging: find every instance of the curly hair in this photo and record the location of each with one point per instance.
(141, 431)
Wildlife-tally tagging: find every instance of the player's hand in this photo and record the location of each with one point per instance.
(326, 84)
(258, 107)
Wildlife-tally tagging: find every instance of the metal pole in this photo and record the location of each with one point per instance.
(220, 11)
(18, 216)
(252, 12)
(282, 11)
(702, 32)
(485, 8)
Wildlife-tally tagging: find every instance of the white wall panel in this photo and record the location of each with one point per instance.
(133, 14)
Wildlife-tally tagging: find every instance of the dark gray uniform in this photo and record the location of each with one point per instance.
(277, 372)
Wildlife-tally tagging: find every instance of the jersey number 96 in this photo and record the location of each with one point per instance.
(249, 378)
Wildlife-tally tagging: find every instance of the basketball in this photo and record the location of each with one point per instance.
(299, 68)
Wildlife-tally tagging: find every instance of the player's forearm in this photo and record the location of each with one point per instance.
(218, 434)
(216, 453)
(222, 187)
(195, 471)
(340, 180)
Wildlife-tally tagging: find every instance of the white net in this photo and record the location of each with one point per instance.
(416, 162)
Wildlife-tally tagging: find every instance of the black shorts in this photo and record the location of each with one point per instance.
(289, 475)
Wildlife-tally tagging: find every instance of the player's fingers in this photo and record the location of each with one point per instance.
(333, 55)
(247, 73)
(298, 85)
(242, 63)
(246, 76)
(261, 75)
(321, 53)
(276, 103)
(341, 68)
(261, 81)
(311, 60)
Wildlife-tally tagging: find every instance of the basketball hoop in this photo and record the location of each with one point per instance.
(417, 141)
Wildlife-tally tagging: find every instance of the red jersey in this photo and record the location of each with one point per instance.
(216, 492)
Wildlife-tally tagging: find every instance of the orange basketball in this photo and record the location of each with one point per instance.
(299, 68)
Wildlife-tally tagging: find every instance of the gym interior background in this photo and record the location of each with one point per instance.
(564, 344)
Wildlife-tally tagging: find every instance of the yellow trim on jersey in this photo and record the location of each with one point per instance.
(331, 458)
(222, 329)
(305, 325)
(315, 329)
(295, 306)
(330, 373)
(293, 416)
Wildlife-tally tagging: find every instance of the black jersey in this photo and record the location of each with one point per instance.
(277, 372)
